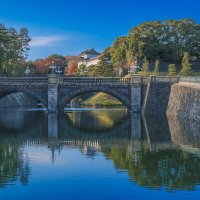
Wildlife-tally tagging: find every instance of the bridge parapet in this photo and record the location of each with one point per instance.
(24, 81)
(136, 79)
(165, 79)
(146, 80)
(192, 79)
(94, 81)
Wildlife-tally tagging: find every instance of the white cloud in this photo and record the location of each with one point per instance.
(45, 41)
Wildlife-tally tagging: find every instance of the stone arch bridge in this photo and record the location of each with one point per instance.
(53, 91)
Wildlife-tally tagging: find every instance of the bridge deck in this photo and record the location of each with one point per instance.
(66, 80)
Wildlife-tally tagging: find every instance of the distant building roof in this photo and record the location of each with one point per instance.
(90, 51)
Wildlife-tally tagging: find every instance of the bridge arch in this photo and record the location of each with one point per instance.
(32, 94)
(76, 92)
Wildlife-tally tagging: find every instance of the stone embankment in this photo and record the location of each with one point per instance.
(184, 101)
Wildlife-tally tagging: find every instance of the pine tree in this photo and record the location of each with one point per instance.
(156, 68)
(105, 67)
(92, 70)
(186, 66)
(145, 68)
(81, 71)
(172, 70)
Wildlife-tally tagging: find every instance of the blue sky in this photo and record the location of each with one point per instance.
(69, 27)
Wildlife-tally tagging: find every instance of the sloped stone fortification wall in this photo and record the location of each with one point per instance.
(184, 100)
(156, 97)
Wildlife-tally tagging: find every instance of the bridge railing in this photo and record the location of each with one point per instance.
(165, 79)
(94, 80)
(24, 80)
(146, 79)
(191, 79)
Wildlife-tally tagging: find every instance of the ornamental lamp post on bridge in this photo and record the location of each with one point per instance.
(52, 69)
(27, 71)
(59, 71)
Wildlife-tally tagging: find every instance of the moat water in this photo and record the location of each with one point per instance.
(97, 154)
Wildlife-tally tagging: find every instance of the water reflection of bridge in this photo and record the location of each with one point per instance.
(128, 128)
(32, 127)
(133, 131)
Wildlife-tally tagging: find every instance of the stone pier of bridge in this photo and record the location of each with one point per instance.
(53, 82)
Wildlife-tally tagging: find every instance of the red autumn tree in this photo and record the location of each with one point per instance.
(72, 67)
(42, 66)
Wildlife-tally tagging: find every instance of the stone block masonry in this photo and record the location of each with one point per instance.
(184, 101)
(150, 94)
(136, 94)
(157, 94)
(52, 94)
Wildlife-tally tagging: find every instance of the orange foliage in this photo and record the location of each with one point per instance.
(42, 66)
(72, 67)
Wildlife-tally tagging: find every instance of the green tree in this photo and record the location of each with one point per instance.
(172, 70)
(17, 70)
(14, 46)
(82, 70)
(92, 70)
(156, 68)
(119, 52)
(145, 68)
(59, 60)
(163, 40)
(186, 66)
(53, 57)
(105, 67)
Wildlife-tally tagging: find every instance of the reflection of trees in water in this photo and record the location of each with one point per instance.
(18, 128)
(14, 164)
(165, 166)
(172, 169)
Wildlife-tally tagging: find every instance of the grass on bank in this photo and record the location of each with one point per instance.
(102, 99)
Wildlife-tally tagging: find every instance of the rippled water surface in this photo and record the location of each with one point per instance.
(97, 154)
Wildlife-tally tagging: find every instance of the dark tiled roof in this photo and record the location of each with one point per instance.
(90, 51)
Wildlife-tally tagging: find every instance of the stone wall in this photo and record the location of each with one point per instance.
(184, 101)
(156, 97)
